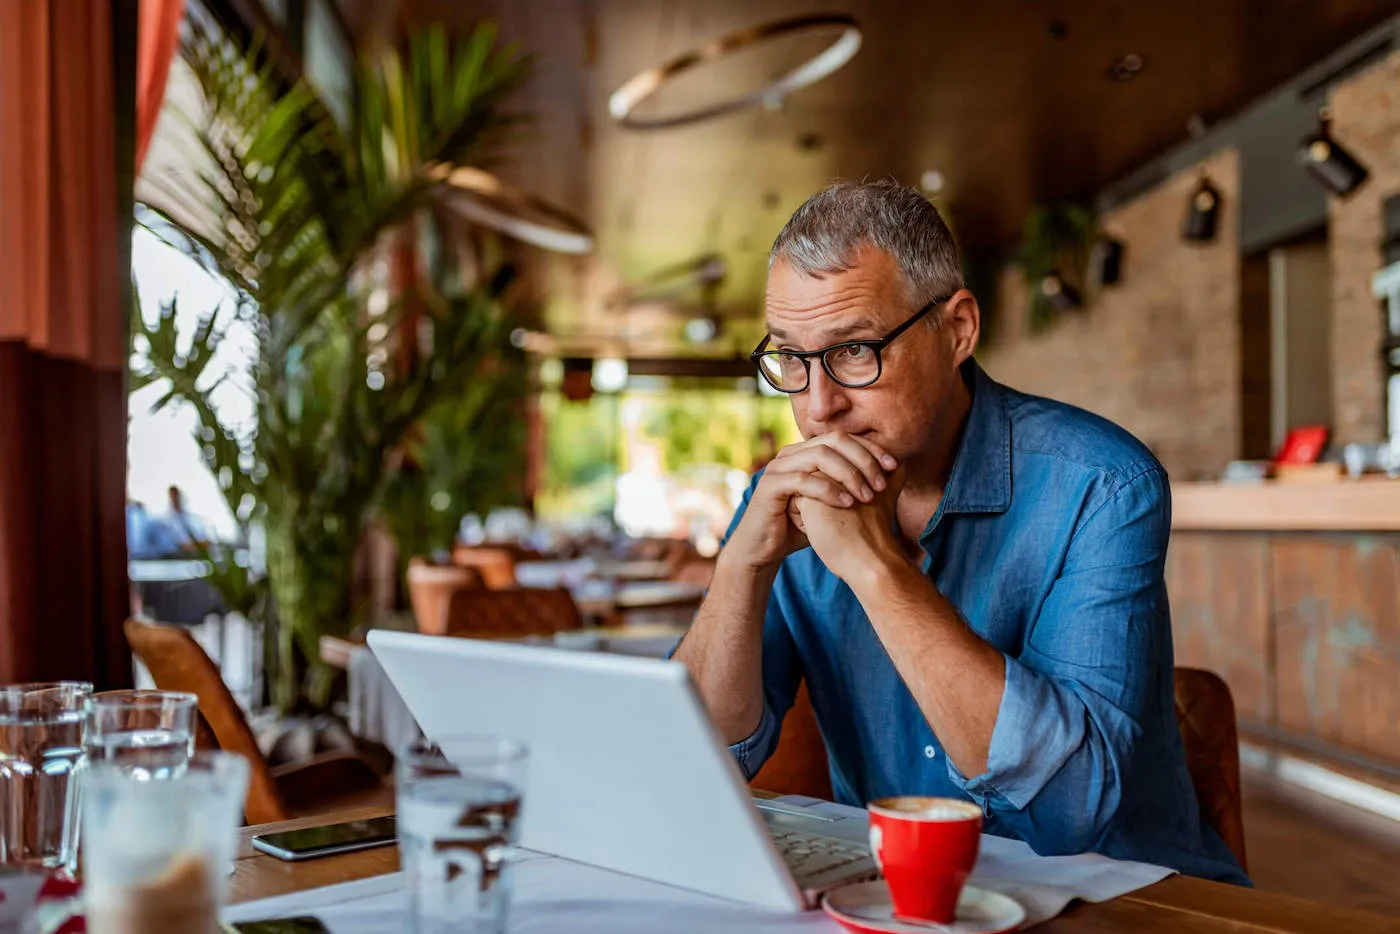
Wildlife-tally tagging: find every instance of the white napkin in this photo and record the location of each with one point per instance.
(1043, 885)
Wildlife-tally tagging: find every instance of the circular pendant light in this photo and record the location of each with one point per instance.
(486, 200)
(625, 100)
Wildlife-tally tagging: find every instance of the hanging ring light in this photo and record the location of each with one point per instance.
(486, 200)
(625, 100)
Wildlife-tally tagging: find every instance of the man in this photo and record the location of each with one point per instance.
(968, 578)
(178, 532)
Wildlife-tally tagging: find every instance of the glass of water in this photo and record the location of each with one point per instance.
(149, 733)
(459, 805)
(155, 852)
(41, 749)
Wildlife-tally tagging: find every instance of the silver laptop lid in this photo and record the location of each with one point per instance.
(626, 770)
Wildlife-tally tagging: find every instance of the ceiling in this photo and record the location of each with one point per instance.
(1010, 100)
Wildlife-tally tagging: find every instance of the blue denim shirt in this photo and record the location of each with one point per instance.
(1050, 540)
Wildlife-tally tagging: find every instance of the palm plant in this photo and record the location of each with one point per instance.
(297, 212)
(466, 457)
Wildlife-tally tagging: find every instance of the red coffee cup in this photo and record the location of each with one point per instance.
(926, 848)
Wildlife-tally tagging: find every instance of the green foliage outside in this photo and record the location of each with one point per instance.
(692, 422)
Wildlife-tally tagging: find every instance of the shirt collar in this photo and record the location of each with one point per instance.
(981, 477)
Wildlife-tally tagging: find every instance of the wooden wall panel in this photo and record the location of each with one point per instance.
(1337, 619)
(1219, 590)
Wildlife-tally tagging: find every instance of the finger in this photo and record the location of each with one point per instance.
(886, 459)
(778, 487)
(819, 487)
(795, 516)
(861, 455)
(828, 461)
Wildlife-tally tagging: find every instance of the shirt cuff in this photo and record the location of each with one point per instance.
(1034, 734)
(752, 751)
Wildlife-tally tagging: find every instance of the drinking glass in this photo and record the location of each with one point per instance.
(41, 748)
(149, 733)
(155, 852)
(459, 804)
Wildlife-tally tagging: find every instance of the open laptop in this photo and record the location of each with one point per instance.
(626, 770)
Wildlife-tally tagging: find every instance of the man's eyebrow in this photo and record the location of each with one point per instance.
(836, 334)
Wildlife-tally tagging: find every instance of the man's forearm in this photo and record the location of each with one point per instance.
(724, 647)
(956, 678)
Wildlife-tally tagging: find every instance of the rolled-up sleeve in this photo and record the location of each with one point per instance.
(1075, 700)
(782, 673)
(781, 670)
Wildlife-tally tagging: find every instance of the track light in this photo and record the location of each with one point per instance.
(1060, 294)
(1203, 212)
(1327, 161)
(1107, 261)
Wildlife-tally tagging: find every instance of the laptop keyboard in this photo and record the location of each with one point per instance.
(809, 855)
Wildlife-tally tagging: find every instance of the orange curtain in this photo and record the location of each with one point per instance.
(157, 37)
(62, 344)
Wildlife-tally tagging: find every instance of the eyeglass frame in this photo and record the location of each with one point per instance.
(876, 344)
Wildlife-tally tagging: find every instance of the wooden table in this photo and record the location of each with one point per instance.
(1173, 906)
(640, 595)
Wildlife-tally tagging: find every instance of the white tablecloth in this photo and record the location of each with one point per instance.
(558, 895)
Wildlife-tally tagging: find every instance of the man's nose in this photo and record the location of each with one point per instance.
(826, 398)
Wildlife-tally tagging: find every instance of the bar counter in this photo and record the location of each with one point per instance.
(1292, 593)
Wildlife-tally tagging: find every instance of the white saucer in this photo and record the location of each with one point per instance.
(865, 907)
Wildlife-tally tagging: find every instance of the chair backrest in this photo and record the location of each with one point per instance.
(513, 611)
(1205, 714)
(177, 663)
(429, 588)
(799, 765)
(495, 565)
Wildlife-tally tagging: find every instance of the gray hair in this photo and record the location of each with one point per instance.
(825, 234)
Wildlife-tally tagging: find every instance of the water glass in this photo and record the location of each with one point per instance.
(155, 853)
(459, 805)
(41, 749)
(149, 733)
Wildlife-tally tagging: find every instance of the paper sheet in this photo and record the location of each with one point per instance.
(557, 896)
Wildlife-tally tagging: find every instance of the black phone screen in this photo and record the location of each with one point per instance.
(375, 830)
(282, 926)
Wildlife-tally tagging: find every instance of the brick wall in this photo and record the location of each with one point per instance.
(1366, 119)
(1159, 353)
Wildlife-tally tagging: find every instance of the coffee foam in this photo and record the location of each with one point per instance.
(919, 807)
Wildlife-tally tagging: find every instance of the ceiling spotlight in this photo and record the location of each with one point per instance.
(609, 374)
(1126, 68)
(701, 330)
(1106, 261)
(1327, 161)
(1060, 294)
(931, 181)
(1203, 212)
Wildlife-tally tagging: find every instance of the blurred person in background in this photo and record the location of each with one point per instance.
(178, 532)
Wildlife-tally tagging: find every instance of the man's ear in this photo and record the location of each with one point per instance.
(962, 320)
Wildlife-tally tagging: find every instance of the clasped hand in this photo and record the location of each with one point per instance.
(836, 493)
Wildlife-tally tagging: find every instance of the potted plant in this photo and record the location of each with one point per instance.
(1054, 258)
(297, 213)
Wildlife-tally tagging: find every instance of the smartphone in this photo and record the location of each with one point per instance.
(306, 925)
(330, 839)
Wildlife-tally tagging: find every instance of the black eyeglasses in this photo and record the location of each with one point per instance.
(852, 364)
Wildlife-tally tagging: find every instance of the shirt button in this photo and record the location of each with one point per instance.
(930, 751)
